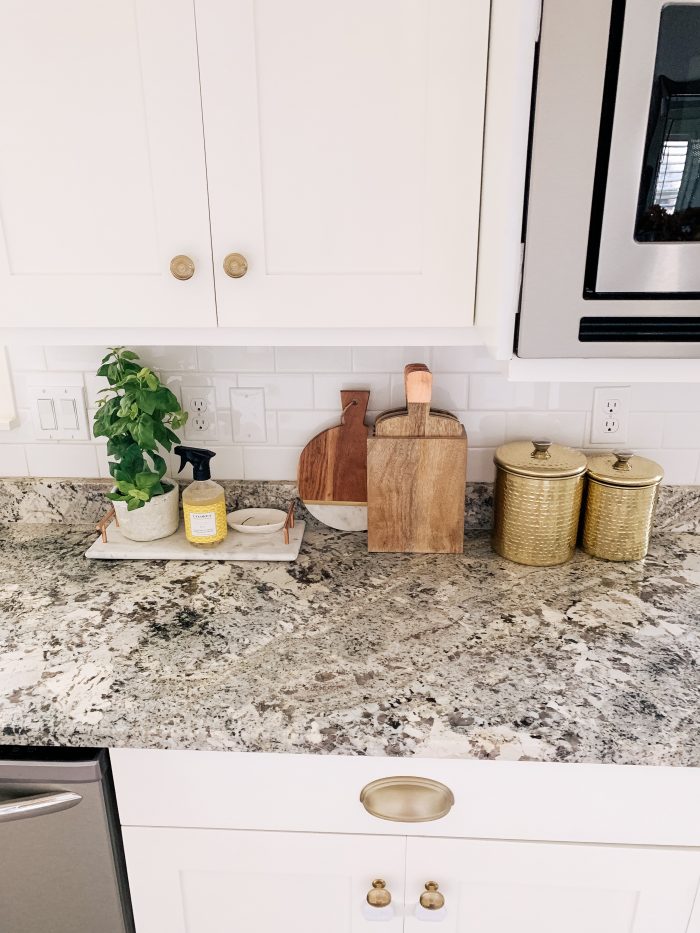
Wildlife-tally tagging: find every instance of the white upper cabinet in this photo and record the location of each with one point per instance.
(344, 145)
(102, 174)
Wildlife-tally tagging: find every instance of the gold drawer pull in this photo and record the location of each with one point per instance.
(407, 799)
(235, 265)
(378, 896)
(431, 899)
(182, 267)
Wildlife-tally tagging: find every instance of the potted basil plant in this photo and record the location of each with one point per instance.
(139, 416)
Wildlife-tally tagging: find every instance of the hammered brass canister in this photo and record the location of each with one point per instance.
(537, 502)
(622, 493)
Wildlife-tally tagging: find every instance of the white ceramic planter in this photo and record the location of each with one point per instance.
(156, 519)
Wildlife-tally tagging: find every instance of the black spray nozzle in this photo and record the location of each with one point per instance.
(198, 457)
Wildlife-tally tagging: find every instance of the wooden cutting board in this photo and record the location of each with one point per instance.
(332, 474)
(416, 476)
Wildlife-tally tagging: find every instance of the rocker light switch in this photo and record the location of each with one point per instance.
(58, 411)
(47, 414)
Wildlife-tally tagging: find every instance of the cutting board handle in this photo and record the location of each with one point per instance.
(418, 382)
(354, 404)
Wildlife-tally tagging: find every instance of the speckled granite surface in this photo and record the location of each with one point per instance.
(349, 653)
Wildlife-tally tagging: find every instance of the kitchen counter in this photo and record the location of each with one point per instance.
(349, 653)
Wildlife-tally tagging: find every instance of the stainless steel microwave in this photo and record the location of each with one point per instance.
(612, 243)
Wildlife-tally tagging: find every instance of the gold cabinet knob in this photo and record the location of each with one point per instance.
(378, 896)
(431, 899)
(235, 265)
(182, 267)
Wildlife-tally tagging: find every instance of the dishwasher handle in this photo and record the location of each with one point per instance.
(37, 805)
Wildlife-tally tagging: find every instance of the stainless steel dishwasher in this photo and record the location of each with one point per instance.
(61, 863)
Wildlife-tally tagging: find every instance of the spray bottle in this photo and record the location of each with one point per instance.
(203, 501)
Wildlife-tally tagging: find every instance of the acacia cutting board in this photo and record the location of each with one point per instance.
(332, 474)
(416, 476)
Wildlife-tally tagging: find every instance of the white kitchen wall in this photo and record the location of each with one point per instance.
(301, 392)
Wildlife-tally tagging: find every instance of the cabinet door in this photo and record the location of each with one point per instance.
(503, 887)
(102, 175)
(344, 148)
(226, 881)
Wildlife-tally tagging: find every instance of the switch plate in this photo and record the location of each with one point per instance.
(200, 405)
(248, 416)
(610, 417)
(59, 413)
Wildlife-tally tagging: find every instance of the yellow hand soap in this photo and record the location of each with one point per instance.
(203, 502)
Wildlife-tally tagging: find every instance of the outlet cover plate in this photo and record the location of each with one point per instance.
(200, 404)
(610, 416)
(248, 416)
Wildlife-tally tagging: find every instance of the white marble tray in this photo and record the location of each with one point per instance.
(237, 546)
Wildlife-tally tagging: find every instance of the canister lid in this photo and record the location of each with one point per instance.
(624, 468)
(540, 458)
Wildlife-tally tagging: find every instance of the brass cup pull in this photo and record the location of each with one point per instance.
(235, 265)
(182, 267)
(431, 898)
(407, 799)
(378, 896)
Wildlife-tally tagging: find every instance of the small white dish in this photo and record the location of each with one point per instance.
(256, 521)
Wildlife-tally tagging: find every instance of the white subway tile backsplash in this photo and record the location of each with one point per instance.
(465, 360)
(271, 462)
(680, 466)
(298, 427)
(327, 389)
(62, 459)
(13, 460)
(681, 429)
(68, 358)
(484, 428)
(387, 359)
(26, 357)
(301, 390)
(655, 397)
(313, 359)
(560, 427)
(489, 391)
(174, 358)
(236, 359)
(480, 465)
(281, 391)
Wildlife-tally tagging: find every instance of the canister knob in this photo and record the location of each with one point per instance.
(622, 461)
(431, 898)
(541, 451)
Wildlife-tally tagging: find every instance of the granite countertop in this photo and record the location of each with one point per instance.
(344, 652)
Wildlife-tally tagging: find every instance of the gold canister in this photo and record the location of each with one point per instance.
(622, 494)
(537, 502)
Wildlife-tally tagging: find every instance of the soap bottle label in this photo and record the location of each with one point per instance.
(203, 524)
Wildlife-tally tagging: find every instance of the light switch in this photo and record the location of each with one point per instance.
(58, 408)
(69, 414)
(47, 414)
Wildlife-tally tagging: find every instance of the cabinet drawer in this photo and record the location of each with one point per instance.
(493, 799)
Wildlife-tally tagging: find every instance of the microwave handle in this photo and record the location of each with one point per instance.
(39, 804)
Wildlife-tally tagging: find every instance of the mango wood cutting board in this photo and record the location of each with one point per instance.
(332, 474)
(415, 494)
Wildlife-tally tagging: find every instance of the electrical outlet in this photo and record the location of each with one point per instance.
(610, 415)
(200, 405)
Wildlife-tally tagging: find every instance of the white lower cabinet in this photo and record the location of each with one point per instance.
(219, 842)
(213, 881)
(503, 887)
(225, 881)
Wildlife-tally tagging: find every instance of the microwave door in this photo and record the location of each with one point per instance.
(650, 233)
